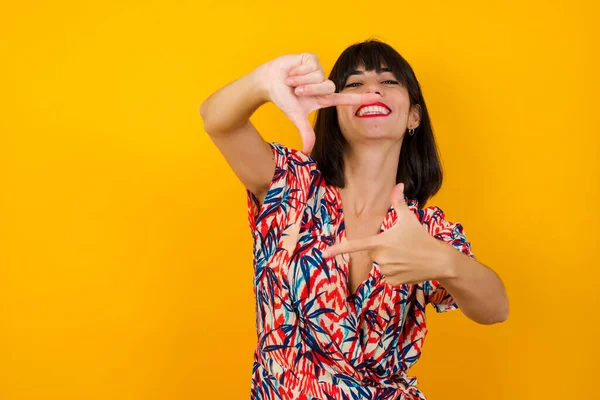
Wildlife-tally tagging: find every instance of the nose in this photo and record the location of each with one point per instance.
(374, 87)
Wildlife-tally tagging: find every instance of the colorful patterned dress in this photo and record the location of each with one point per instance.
(316, 340)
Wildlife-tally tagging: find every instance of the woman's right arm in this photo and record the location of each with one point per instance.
(226, 115)
(296, 84)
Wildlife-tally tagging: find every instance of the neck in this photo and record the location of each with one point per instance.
(370, 171)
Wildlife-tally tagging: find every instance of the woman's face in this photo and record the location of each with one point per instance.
(388, 118)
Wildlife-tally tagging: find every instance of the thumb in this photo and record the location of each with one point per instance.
(306, 131)
(398, 197)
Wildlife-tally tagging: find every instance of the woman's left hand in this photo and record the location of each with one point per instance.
(406, 253)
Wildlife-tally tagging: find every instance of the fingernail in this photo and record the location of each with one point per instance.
(299, 90)
(326, 254)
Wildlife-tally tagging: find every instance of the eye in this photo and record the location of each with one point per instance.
(354, 84)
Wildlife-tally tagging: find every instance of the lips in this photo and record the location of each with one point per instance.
(375, 112)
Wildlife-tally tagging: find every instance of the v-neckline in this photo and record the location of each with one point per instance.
(343, 235)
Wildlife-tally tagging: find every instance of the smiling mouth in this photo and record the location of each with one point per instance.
(373, 110)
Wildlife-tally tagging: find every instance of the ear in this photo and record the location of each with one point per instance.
(414, 117)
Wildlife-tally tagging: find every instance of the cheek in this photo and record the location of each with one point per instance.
(344, 120)
(401, 110)
(345, 115)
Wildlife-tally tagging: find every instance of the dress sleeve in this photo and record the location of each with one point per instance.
(286, 195)
(452, 233)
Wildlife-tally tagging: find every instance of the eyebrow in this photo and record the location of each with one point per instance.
(357, 72)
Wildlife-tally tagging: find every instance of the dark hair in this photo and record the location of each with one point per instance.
(419, 166)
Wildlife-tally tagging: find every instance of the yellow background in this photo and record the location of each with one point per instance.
(125, 255)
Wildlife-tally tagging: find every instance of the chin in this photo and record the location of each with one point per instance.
(379, 133)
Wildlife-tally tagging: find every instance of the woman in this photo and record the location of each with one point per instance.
(341, 295)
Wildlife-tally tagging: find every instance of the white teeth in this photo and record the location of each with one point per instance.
(373, 110)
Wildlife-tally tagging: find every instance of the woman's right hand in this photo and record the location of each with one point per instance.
(297, 85)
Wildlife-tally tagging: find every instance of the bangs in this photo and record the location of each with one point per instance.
(419, 164)
(373, 56)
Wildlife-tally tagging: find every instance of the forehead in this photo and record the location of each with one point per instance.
(360, 70)
(361, 66)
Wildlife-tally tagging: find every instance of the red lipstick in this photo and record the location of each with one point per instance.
(380, 104)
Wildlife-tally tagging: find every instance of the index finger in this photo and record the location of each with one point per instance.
(351, 246)
(340, 99)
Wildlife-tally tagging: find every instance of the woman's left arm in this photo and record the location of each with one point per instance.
(476, 289)
(407, 253)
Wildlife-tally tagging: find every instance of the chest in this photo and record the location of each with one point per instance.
(360, 263)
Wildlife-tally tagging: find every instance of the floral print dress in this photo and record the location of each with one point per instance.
(316, 340)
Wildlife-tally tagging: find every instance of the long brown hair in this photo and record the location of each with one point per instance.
(419, 166)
